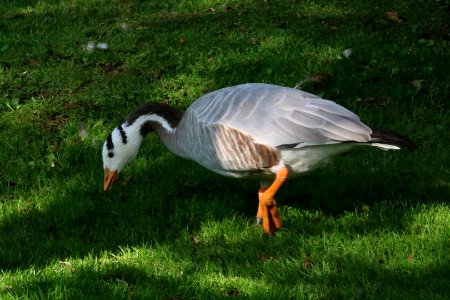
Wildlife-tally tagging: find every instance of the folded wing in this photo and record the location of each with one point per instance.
(280, 116)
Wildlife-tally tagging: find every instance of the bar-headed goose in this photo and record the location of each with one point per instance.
(250, 130)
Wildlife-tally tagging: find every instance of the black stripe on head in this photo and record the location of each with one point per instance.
(122, 134)
(109, 142)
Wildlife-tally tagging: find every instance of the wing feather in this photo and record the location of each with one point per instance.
(276, 116)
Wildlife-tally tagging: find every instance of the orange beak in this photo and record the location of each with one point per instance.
(109, 179)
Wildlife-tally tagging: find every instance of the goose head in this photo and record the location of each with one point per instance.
(123, 143)
(120, 148)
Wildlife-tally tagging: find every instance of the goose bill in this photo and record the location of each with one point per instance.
(109, 178)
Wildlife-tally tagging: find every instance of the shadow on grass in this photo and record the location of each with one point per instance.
(201, 269)
(154, 207)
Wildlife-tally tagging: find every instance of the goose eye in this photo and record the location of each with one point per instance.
(110, 154)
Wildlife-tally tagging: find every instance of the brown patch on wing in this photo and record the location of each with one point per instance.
(241, 152)
(268, 157)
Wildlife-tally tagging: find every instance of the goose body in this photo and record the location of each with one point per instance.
(250, 130)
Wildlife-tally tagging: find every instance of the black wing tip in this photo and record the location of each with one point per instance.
(392, 138)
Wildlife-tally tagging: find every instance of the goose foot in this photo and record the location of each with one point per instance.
(267, 209)
(268, 214)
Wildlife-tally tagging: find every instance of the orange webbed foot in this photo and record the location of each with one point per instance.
(267, 209)
(269, 214)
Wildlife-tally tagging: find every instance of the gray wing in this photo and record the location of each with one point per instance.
(280, 116)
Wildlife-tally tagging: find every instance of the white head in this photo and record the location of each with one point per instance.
(120, 148)
(123, 144)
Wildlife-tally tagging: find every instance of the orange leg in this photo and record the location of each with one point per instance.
(267, 209)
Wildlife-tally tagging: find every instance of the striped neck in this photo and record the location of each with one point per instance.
(153, 117)
(158, 117)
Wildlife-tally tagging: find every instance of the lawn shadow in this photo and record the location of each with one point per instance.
(347, 277)
(154, 207)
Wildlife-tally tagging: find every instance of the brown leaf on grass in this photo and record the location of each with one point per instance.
(411, 258)
(233, 292)
(418, 83)
(55, 123)
(265, 256)
(252, 41)
(373, 101)
(394, 17)
(308, 262)
(112, 67)
(32, 62)
(317, 79)
(196, 240)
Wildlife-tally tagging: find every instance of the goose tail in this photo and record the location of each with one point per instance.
(388, 140)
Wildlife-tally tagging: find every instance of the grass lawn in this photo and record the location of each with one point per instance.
(373, 224)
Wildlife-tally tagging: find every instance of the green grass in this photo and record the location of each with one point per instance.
(372, 225)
